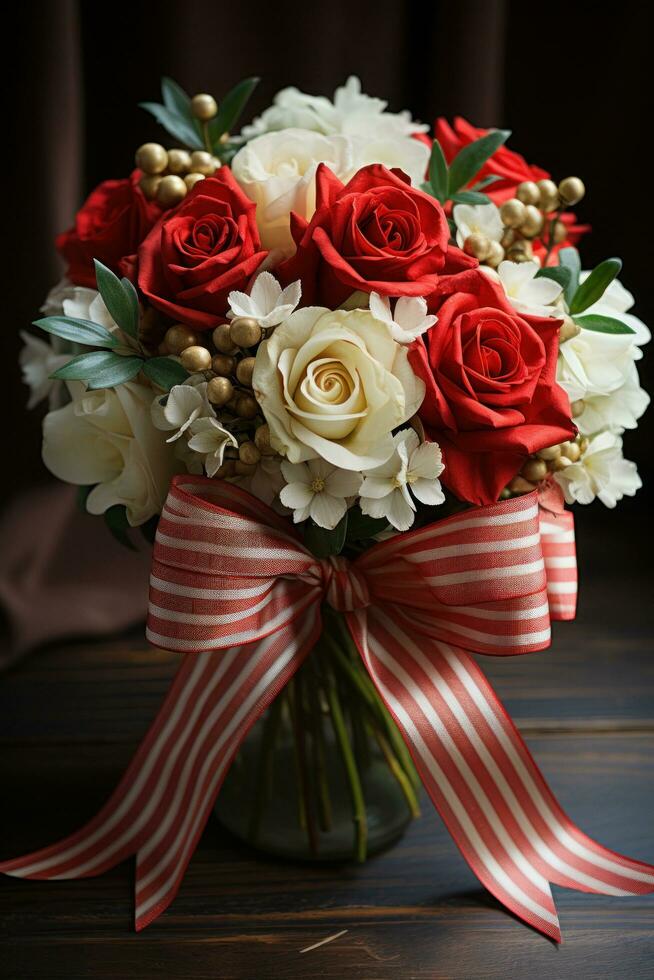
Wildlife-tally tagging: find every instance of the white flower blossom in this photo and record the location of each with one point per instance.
(526, 293)
(351, 112)
(184, 404)
(413, 469)
(210, 439)
(267, 303)
(408, 321)
(477, 219)
(599, 370)
(602, 471)
(318, 490)
(39, 359)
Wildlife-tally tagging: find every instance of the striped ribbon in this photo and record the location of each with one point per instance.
(233, 585)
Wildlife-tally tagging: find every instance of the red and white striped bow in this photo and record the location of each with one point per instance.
(234, 586)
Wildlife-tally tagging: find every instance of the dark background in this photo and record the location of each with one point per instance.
(572, 80)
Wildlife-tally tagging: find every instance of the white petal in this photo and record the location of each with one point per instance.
(426, 461)
(296, 472)
(241, 304)
(343, 483)
(326, 510)
(428, 491)
(296, 495)
(265, 292)
(380, 307)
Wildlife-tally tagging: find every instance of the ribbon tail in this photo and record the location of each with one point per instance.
(482, 778)
(160, 807)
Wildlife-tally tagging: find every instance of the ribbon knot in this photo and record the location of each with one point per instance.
(345, 587)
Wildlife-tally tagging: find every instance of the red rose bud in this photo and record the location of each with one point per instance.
(110, 226)
(375, 233)
(492, 397)
(198, 253)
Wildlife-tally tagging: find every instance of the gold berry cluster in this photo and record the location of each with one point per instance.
(534, 212)
(227, 363)
(168, 175)
(544, 462)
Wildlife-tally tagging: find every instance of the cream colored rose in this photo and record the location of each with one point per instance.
(106, 438)
(277, 172)
(334, 385)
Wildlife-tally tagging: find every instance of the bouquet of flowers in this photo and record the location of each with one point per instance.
(370, 363)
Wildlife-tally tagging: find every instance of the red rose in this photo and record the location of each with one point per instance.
(111, 224)
(504, 163)
(374, 233)
(492, 397)
(198, 253)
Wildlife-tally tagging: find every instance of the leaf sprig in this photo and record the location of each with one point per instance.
(447, 182)
(177, 119)
(116, 363)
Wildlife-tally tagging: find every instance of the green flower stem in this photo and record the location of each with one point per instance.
(398, 772)
(304, 791)
(206, 138)
(265, 766)
(356, 791)
(360, 679)
(319, 751)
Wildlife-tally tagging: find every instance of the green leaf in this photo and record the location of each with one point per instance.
(174, 124)
(485, 182)
(175, 98)
(121, 301)
(116, 520)
(602, 324)
(593, 288)
(569, 259)
(470, 197)
(323, 543)
(360, 526)
(558, 273)
(469, 161)
(132, 327)
(101, 369)
(230, 108)
(165, 372)
(438, 172)
(78, 331)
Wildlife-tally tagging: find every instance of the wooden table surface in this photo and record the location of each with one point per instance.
(70, 718)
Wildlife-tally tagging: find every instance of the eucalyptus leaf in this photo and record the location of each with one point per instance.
(558, 273)
(230, 108)
(438, 174)
(101, 369)
(469, 160)
(116, 520)
(470, 197)
(322, 542)
(602, 324)
(593, 288)
(165, 372)
(120, 300)
(569, 259)
(174, 124)
(78, 331)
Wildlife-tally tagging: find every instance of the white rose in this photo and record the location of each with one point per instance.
(409, 155)
(106, 437)
(334, 385)
(277, 171)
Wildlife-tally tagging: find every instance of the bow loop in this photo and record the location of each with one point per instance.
(346, 589)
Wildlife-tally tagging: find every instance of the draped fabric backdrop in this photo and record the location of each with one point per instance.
(571, 81)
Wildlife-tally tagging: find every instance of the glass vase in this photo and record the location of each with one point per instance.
(324, 775)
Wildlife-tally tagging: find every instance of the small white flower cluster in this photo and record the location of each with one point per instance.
(187, 412)
(323, 492)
